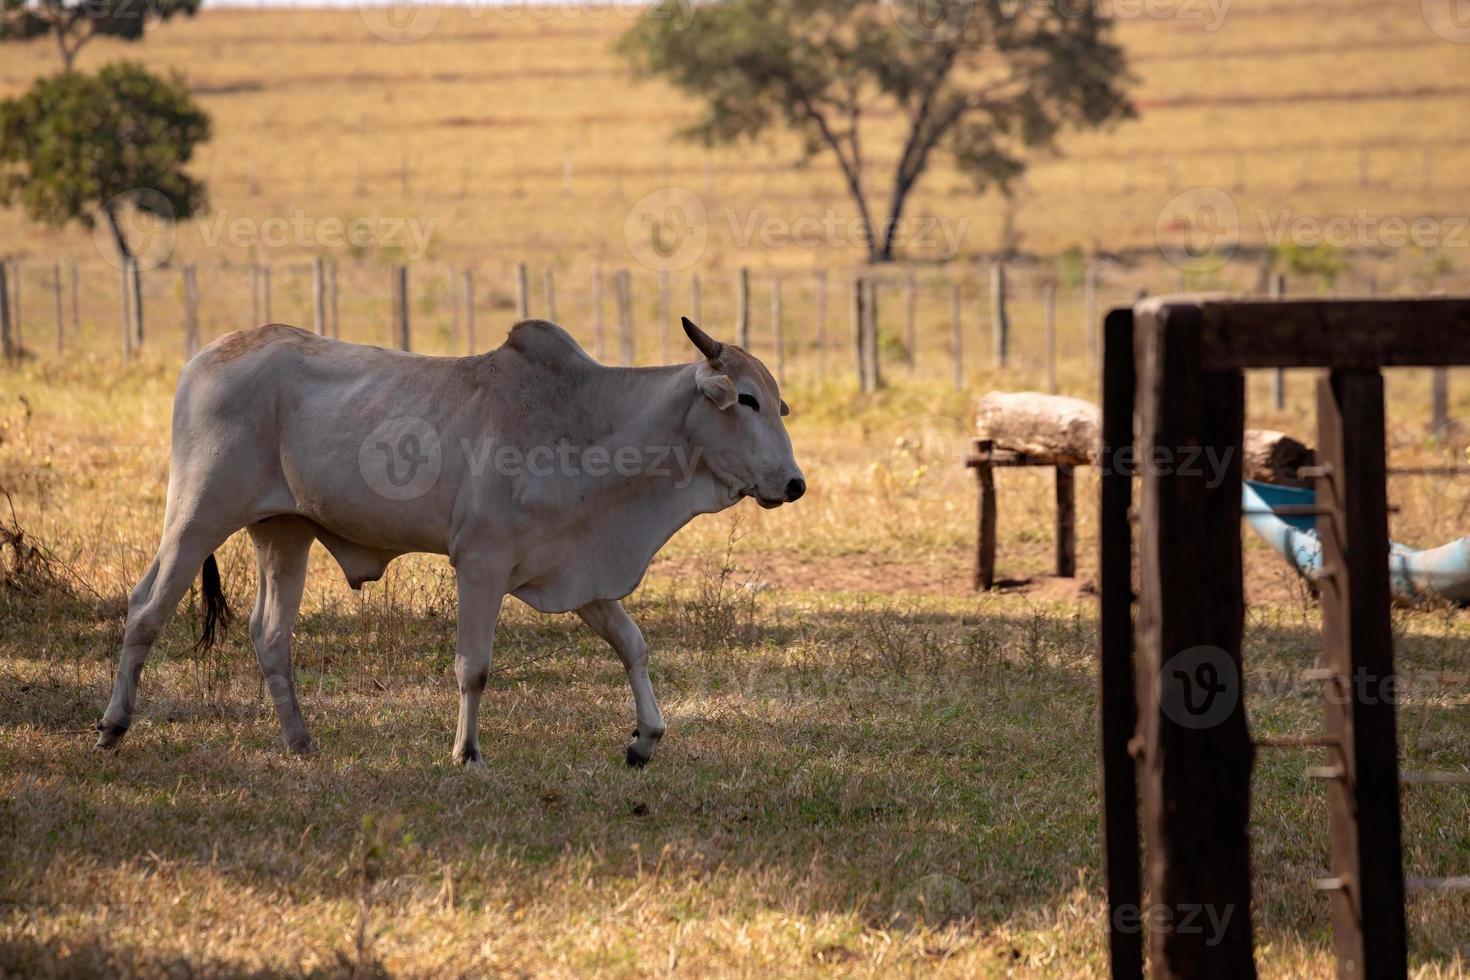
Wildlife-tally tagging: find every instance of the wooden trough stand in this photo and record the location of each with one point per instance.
(1173, 713)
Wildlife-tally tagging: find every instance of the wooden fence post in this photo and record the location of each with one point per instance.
(859, 297)
(985, 539)
(254, 293)
(138, 304)
(624, 282)
(1000, 324)
(469, 311)
(778, 337)
(550, 285)
(742, 308)
(400, 307)
(912, 321)
(957, 335)
(1367, 890)
(523, 299)
(60, 315)
(1278, 384)
(319, 296)
(1049, 311)
(599, 332)
(1066, 536)
(7, 340)
(332, 301)
(869, 372)
(1191, 614)
(665, 314)
(694, 299)
(822, 325)
(17, 320)
(127, 310)
(191, 312)
(76, 305)
(265, 292)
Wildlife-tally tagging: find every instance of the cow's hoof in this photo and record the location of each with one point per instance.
(467, 757)
(109, 733)
(636, 760)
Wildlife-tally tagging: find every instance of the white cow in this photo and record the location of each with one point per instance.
(539, 472)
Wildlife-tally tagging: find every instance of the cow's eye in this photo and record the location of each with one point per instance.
(750, 401)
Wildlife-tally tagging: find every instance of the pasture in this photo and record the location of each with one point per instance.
(869, 770)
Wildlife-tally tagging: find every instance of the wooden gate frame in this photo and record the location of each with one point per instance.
(1177, 364)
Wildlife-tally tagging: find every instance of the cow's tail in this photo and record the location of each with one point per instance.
(216, 609)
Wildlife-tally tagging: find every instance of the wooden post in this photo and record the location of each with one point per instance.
(1049, 304)
(319, 296)
(7, 339)
(985, 539)
(1000, 323)
(137, 278)
(859, 298)
(599, 332)
(911, 320)
(957, 335)
(523, 298)
(1066, 543)
(76, 305)
(1089, 306)
(625, 315)
(778, 333)
(60, 315)
(822, 325)
(468, 280)
(1363, 802)
(1439, 397)
(694, 298)
(1196, 750)
(550, 284)
(665, 314)
(1278, 384)
(1118, 708)
(400, 308)
(191, 312)
(742, 308)
(17, 322)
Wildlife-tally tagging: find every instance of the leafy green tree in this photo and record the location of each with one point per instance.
(986, 81)
(79, 147)
(75, 22)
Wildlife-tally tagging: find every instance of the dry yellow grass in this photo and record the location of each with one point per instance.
(869, 771)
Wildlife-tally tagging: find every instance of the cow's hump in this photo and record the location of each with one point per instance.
(547, 345)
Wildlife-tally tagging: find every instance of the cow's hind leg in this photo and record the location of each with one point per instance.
(282, 545)
(180, 557)
(611, 621)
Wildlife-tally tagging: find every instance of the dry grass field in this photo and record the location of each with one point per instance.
(869, 770)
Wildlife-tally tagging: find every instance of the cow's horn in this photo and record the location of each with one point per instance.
(708, 346)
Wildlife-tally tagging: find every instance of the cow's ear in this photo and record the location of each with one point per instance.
(719, 389)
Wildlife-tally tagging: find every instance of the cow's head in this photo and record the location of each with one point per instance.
(738, 423)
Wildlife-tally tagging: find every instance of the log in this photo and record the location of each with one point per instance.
(1060, 429)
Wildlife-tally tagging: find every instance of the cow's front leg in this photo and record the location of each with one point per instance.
(611, 621)
(480, 594)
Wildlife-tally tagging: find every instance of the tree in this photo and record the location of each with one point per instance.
(983, 80)
(79, 147)
(75, 22)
